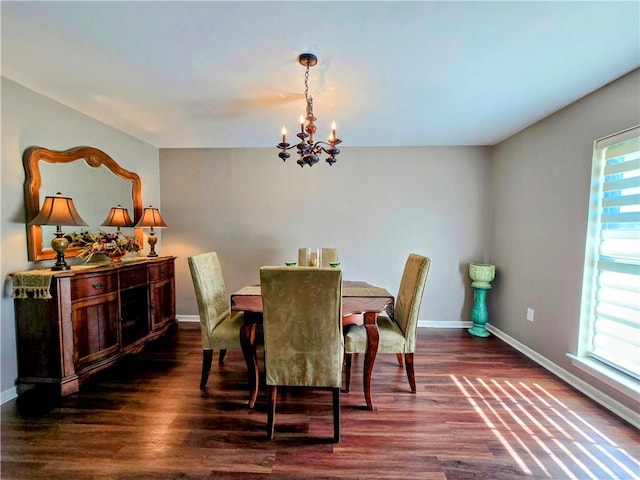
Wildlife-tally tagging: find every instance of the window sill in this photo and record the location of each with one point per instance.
(608, 375)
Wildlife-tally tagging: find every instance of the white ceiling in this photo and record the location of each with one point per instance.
(225, 73)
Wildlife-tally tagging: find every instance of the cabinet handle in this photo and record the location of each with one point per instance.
(134, 276)
(98, 285)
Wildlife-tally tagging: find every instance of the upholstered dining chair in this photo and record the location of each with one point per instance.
(302, 325)
(220, 328)
(397, 331)
(329, 255)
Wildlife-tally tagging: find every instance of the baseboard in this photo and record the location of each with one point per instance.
(596, 395)
(8, 395)
(188, 318)
(443, 324)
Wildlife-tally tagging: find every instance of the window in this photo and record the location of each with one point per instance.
(610, 324)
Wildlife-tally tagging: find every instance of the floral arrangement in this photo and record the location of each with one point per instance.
(112, 244)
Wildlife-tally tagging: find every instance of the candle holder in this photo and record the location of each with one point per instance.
(312, 257)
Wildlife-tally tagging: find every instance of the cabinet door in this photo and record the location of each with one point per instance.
(134, 304)
(162, 294)
(95, 317)
(135, 314)
(162, 303)
(38, 339)
(95, 328)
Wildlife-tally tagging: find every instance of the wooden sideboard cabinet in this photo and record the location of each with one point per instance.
(95, 316)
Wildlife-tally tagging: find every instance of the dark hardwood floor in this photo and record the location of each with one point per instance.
(482, 411)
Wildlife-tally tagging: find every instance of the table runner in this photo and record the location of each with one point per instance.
(350, 289)
(365, 292)
(37, 283)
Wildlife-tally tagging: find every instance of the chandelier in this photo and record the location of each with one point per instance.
(308, 150)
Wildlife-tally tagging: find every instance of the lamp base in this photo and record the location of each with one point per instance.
(60, 244)
(57, 268)
(152, 243)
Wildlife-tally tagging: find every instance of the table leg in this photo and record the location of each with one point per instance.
(373, 337)
(248, 343)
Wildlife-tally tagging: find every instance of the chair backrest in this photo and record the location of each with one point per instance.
(329, 255)
(211, 293)
(302, 321)
(407, 304)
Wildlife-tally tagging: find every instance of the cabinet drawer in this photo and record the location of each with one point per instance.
(89, 285)
(133, 277)
(160, 271)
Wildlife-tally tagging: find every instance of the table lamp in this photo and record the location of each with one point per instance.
(58, 211)
(118, 217)
(151, 218)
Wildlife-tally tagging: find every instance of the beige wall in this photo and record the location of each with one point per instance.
(31, 119)
(540, 190)
(376, 205)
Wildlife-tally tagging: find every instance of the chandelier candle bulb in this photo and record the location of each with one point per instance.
(284, 135)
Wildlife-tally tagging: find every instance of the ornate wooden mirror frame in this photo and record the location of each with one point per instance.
(33, 180)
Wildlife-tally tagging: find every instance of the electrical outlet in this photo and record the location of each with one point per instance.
(530, 314)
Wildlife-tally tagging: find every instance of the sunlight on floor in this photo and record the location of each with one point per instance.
(548, 429)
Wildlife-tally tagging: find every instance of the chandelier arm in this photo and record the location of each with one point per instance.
(331, 151)
(286, 146)
(328, 144)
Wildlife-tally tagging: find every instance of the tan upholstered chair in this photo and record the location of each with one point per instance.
(329, 255)
(397, 334)
(303, 340)
(220, 328)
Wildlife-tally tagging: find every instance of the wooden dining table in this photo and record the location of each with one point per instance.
(361, 304)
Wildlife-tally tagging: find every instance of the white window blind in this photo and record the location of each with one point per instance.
(613, 254)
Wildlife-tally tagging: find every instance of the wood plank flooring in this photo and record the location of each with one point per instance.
(482, 411)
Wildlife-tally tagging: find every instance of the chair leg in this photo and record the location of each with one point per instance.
(336, 414)
(399, 357)
(272, 394)
(223, 352)
(347, 371)
(207, 358)
(408, 357)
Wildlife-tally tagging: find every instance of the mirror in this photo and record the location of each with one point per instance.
(95, 185)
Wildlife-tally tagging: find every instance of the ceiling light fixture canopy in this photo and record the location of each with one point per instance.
(309, 151)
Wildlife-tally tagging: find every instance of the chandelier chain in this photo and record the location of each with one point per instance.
(306, 82)
(306, 90)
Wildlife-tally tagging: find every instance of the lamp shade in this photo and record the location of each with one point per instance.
(151, 218)
(58, 210)
(118, 217)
